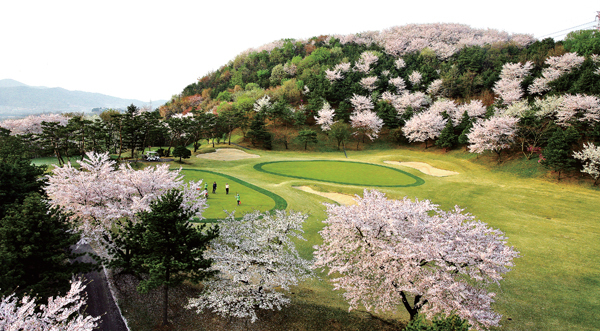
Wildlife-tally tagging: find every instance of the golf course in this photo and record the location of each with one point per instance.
(554, 225)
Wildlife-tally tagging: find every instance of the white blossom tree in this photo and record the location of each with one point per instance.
(325, 117)
(475, 109)
(32, 124)
(366, 60)
(424, 126)
(399, 83)
(254, 258)
(366, 123)
(557, 66)
(368, 83)
(361, 103)
(582, 108)
(508, 88)
(435, 88)
(386, 252)
(262, 104)
(61, 313)
(494, 134)
(415, 78)
(99, 195)
(590, 155)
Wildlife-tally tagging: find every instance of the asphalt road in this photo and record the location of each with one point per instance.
(100, 301)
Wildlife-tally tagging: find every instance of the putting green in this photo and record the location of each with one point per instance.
(341, 172)
(252, 197)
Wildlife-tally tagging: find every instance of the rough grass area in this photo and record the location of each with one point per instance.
(144, 312)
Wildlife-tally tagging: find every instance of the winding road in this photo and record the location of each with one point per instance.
(100, 301)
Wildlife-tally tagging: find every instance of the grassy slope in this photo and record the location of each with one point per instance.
(555, 284)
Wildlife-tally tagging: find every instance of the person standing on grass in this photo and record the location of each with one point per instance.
(214, 187)
(237, 197)
(206, 187)
(226, 188)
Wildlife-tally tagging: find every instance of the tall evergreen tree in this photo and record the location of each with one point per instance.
(170, 249)
(557, 156)
(35, 249)
(447, 138)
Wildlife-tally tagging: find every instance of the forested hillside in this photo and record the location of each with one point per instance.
(422, 83)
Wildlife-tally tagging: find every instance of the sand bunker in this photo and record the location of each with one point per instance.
(343, 199)
(227, 154)
(424, 168)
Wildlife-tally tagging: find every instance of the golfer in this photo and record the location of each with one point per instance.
(226, 188)
(237, 197)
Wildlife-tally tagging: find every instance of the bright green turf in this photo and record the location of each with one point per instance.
(219, 204)
(341, 172)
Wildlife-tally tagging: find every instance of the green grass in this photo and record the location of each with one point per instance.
(555, 284)
(341, 172)
(220, 204)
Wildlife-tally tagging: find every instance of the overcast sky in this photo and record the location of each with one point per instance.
(150, 50)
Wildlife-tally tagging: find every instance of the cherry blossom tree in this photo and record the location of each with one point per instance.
(253, 257)
(424, 126)
(366, 60)
(415, 101)
(368, 83)
(449, 107)
(32, 124)
(558, 66)
(337, 73)
(508, 87)
(415, 78)
(435, 88)
(591, 156)
(325, 117)
(583, 108)
(494, 134)
(262, 104)
(399, 83)
(400, 63)
(385, 252)
(361, 103)
(475, 109)
(61, 313)
(99, 195)
(366, 123)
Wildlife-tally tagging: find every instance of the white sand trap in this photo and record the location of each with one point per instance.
(227, 154)
(424, 168)
(344, 199)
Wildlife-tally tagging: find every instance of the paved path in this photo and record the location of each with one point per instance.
(100, 301)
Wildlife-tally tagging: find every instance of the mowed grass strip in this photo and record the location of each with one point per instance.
(251, 197)
(341, 172)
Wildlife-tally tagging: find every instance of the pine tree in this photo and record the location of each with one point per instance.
(557, 154)
(34, 249)
(170, 248)
(447, 138)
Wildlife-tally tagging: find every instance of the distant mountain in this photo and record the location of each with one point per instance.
(18, 99)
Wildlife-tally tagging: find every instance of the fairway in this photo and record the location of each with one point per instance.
(251, 197)
(341, 172)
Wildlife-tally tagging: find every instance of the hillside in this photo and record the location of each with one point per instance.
(18, 99)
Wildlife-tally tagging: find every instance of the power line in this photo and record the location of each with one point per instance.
(569, 29)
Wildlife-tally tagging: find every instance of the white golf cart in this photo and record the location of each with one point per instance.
(151, 156)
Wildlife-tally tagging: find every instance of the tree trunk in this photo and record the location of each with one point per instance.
(165, 304)
(412, 311)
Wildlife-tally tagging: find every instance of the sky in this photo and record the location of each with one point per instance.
(151, 50)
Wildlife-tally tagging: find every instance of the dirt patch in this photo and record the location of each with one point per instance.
(344, 199)
(424, 168)
(227, 154)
